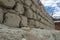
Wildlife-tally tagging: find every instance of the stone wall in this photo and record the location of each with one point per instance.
(26, 20)
(25, 13)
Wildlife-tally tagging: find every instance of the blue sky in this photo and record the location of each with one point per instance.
(52, 6)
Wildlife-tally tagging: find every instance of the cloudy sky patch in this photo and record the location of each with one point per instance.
(52, 6)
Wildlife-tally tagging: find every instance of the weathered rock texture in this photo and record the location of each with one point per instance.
(26, 20)
(24, 13)
(33, 34)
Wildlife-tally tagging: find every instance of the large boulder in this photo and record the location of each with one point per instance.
(29, 13)
(7, 3)
(28, 2)
(19, 8)
(12, 20)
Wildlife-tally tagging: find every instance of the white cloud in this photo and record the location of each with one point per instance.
(57, 15)
(57, 11)
(52, 3)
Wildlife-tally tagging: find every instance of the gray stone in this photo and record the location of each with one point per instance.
(12, 20)
(19, 8)
(31, 23)
(26, 29)
(37, 24)
(34, 8)
(56, 34)
(11, 34)
(29, 13)
(45, 22)
(11, 11)
(7, 3)
(35, 16)
(36, 2)
(28, 2)
(30, 36)
(38, 17)
(20, 1)
(2, 26)
(23, 22)
(42, 14)
(42, 26)
(45, 14)
(1, 15)
(39, 34)
(43, 34)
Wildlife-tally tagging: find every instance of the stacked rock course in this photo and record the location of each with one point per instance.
(25, 20)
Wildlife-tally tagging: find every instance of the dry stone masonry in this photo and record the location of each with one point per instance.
(24, 13)
(26, 20)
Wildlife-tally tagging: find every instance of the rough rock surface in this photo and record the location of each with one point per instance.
(34, 34)
(28, 2)
(26, 20)
(11, 34)
(1, 15)
(29, 13)
(19, 8)
(12, 20)
(7, 3)
(42, 34)
(18, 13)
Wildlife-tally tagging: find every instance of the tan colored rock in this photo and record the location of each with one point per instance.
(11, 34)
(35, 16)
(30, 36)
(56, 34)
(33, 34)
(38, 17)
(26, 29)
(29, 13)
(12, 20)
(44, 26)
(37, 23)
(28, 2)
(7, 3)
(36, 2)
(2, 26)
(34, 8)
(39, 34)
(31, 23)
(23, 22)
(19, 8)
(1, 15)
(42, 14)
(20, 1)
(43, 34)
(45, 22)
